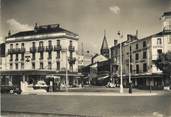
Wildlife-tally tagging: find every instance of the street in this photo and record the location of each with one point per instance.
(56, 105)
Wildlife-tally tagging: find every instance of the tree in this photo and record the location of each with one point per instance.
(163, 62)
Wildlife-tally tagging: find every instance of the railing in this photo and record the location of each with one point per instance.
(22, 50)
(10, 51)
(71, 48)
(49, 48)
(71, 60)
(57, 48)
(33, 49)
(41, 49)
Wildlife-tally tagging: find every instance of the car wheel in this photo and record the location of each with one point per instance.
(11, 91)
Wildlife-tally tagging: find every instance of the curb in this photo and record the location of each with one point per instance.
(93, 94)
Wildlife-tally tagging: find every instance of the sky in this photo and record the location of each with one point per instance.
(88, 18)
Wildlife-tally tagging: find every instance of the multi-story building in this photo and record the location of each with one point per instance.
(46, 50)
(138, 56)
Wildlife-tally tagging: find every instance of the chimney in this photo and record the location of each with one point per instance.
(9, 33)
(36, 26)
(115, 42)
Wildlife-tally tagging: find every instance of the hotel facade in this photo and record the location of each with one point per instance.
(46, 51)
(139, 55)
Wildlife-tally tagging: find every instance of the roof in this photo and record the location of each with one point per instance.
(104, 43)
(43, 29)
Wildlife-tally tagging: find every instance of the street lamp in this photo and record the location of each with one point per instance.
(130, 82)
(121, 79)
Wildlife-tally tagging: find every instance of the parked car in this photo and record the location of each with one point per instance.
(10, 89)
(40, 85)
(110, 85)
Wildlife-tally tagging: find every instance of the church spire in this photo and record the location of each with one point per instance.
(104, 48)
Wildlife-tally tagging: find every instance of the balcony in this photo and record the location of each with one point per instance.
(32, 49)
(57, 48)
(41, 49)
(72, 60)
(49, 48)
(11, 51)
(17, 50)
(71, 48)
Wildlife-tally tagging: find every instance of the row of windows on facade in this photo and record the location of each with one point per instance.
(137, 68)
(34, 56)
(159, 51)
(40, 44)
(34, 65)
(159, 42)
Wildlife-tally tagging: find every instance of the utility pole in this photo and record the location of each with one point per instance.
(130, 82)
(121, 78)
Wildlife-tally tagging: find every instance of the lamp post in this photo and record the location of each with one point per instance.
(121, 78)
(130, 82)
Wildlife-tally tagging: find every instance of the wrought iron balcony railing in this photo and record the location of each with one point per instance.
(72, 60)
(49, 48)
(57, 48)
(33, 49)
(71, 48)
(41, 49)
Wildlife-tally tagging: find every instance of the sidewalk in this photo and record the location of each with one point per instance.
(101, 92)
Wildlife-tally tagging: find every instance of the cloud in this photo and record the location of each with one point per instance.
(115, 9)
(16, 26)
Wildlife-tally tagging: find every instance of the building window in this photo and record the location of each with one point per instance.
(41, 55)
(130, 48)
(144, 44)
(144, 55)
(58, 42)
(11, 57)
(137, 46)
(70, 42)
(159, 51)
(33, 65)
(11, 66)
(22, 65)
(16, 59)
(33, 56)
(41, 65)
(131, 68)
(22, 45)
(58, 65)
(50, 55)
(33, 44)
(49, 65)
(22, 56)
(16, 66)
(137, 69)
(50, 43)
(11, 46)
(58, 55)
(169, 39)
(159, 41)
(16, 45)
(41, 44)
(136, 56)
(145, 67)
